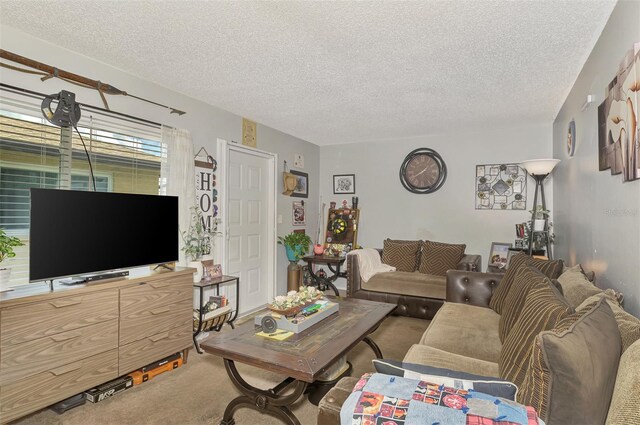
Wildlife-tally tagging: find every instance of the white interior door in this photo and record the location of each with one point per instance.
(250, 226)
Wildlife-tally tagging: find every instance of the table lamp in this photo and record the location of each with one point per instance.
(539, 169)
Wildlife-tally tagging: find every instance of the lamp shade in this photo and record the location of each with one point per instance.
(539, 167)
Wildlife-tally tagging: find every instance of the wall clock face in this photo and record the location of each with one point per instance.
(423, 171)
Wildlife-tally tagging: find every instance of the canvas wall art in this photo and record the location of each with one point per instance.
(618, 129)
(501, 187)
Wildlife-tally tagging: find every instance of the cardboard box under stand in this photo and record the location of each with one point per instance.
(301, 325)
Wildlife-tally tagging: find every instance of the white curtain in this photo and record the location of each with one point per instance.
(177, 176)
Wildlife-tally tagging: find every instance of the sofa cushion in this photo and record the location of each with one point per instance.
(465, 330)
(628, 325)
(557, 383)
(551, 269)
(438, 257)
(405, 283)
(423, 354)
(625, 403)
(485, 384)
(543, 308)
(575, 286)
(403, 255)
(525, 278)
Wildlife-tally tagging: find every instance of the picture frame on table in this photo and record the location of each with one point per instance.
(210, 270)
(344, 184)
(302, 184)
(499, 254)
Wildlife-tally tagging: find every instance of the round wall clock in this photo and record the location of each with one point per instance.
(423, 171)
(571, 138)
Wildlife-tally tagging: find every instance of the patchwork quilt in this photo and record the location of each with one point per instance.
(379, 399)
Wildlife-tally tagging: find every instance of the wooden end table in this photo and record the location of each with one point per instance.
(333, 263)
(302, 357)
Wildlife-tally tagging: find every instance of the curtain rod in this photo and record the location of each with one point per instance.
(96, 108)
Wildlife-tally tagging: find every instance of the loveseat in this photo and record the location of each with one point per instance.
(592, 383)
(417, 287)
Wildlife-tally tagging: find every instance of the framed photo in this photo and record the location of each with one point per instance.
(302, 184)
(344, 184)
(207, 266)
(298, 213)
(499, 254)
(216, 270)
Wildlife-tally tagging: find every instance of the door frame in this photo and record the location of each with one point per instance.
(224, 149)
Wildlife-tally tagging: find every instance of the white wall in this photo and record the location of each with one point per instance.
(206, 123)
(448, 215)
(597, 215)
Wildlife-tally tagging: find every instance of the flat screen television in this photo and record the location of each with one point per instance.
(74, 232)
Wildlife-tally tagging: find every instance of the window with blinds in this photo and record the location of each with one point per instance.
(126, 155)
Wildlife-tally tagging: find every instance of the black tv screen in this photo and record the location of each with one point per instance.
(74, 232)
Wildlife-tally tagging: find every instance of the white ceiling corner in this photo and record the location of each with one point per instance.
(340, 72)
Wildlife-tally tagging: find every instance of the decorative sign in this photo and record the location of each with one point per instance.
(501, 187)
(249, 133)
(298, 213)
(205, 192)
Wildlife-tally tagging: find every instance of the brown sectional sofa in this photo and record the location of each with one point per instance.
(464, 336)
(416, 294)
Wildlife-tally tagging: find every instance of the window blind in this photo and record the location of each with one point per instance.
(126, 155)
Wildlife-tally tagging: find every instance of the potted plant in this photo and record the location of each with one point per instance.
(539, 242)
(540, 216)
(198, 241)
(296, 245)
(7, 243)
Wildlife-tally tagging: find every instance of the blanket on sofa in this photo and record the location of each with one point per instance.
(379, 399)
(370, 263)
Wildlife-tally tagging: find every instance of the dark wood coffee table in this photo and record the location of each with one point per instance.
(302, 357)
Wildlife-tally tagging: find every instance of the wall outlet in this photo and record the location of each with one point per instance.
(298, 160)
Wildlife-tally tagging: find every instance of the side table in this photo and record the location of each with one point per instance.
(333, 263)
(214, 323)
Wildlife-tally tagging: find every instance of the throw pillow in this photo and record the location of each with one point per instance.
(543, 308)
(624, 402)
(438, 257)
(551, 269)
(526, 277)
(556, 384)
(492, 386)
(403, 255)
(575, 286)
(628, 325)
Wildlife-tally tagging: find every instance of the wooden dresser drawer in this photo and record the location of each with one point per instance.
(155, 347)
(19, 361)
(28, 322)
(151, 320)
(154, 294)
(41, 390)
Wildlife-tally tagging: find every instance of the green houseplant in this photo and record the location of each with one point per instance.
(296, 245)
(7, 243)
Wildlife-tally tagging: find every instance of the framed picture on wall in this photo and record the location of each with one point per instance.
(298, 213)
(344, 184)
(499, 254)
(302, 184)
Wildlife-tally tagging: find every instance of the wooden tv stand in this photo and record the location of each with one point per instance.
(57, 344)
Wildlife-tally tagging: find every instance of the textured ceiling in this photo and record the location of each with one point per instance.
(341, 72)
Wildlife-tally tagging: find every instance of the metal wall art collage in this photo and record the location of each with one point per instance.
(501, 187)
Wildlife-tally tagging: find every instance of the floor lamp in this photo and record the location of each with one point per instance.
(539, 169)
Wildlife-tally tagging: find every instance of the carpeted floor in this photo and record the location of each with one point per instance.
(199, 392)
